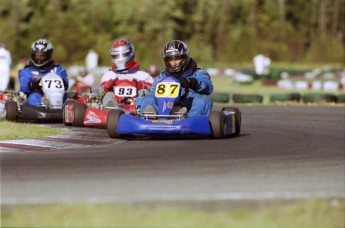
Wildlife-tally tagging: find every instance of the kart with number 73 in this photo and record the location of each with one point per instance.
(13, 106)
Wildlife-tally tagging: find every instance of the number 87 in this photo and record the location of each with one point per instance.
(167, 90)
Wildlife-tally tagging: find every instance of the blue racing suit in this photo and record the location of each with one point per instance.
(28, 74)
(197, 101)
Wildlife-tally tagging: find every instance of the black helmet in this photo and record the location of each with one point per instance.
(175, 48)
(41, 53)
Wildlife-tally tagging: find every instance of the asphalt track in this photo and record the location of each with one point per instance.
(283, 152)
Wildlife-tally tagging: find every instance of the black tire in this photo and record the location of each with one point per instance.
(220, 97)
(281, 97)
(72, 95)
(238, 118)
(11, 110)
(79, 114)
(112, 122)
(218, 124)
(319, 97)
(247, 98)
(63, 113)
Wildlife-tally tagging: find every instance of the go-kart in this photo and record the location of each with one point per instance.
(169, 122)
(88, 110)
(13, 106)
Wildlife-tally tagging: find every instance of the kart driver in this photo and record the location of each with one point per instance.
(195, 81)
(124, 67)
(40, 64)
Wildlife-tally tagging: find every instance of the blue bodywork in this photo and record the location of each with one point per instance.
(165, 124)
(129, 124)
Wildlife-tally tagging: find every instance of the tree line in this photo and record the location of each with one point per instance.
(218, 32)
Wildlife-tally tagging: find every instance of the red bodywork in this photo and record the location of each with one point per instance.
(5, 96)
(125, 92)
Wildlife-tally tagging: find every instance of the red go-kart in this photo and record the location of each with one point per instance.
(89, 110)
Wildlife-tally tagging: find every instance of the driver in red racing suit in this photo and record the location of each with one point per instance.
(124, 67)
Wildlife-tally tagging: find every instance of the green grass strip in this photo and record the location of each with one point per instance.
(14, 130)
(307, 213)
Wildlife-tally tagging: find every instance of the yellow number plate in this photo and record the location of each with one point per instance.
(167, 89)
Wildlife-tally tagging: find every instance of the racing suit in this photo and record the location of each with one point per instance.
(28, 74)
(197, 101)
(142, 76)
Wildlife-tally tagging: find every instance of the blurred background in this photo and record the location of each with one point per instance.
(219, 33)
(224, 36)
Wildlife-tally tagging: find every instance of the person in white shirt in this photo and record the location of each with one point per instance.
(124, 67)
(91, 60)
(5, 67)
(83, 82)
(261, 64)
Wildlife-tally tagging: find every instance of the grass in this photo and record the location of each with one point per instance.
(300, 214)
(12, 131)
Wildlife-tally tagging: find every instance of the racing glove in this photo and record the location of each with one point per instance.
(189, 82)
(34, 85)
(108, 86)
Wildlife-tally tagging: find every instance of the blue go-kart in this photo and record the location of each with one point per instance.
(169, 122)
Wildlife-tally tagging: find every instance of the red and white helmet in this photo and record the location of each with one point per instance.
(122, 54)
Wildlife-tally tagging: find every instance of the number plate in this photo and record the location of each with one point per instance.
(125, 91)
(167, 89)
(52, 82)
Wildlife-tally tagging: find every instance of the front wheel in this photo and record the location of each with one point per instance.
(112, 123)
(218, 124)
(238, 118)
(11, 111)
(79, 113)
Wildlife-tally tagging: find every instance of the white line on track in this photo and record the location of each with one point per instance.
(233, 196)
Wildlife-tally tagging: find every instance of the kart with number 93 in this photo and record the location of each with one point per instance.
(88, 110)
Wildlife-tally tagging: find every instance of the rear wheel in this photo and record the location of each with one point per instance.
(79, 114)
(112, 123)
(11, 111)
(218, 124)
(237, 119)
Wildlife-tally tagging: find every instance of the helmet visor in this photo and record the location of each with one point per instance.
(174, 63)
(39, 58)
(119, 54)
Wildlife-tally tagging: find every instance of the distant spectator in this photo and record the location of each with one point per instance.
(154, 70)
(5, 67)
(83, 82)
(261, 64)
(91, 60)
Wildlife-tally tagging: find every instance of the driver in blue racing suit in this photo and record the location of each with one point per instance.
(198, 83)
(40, 64)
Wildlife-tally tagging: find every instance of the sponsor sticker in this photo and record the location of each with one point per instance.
(91, 117)
(161, 121)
